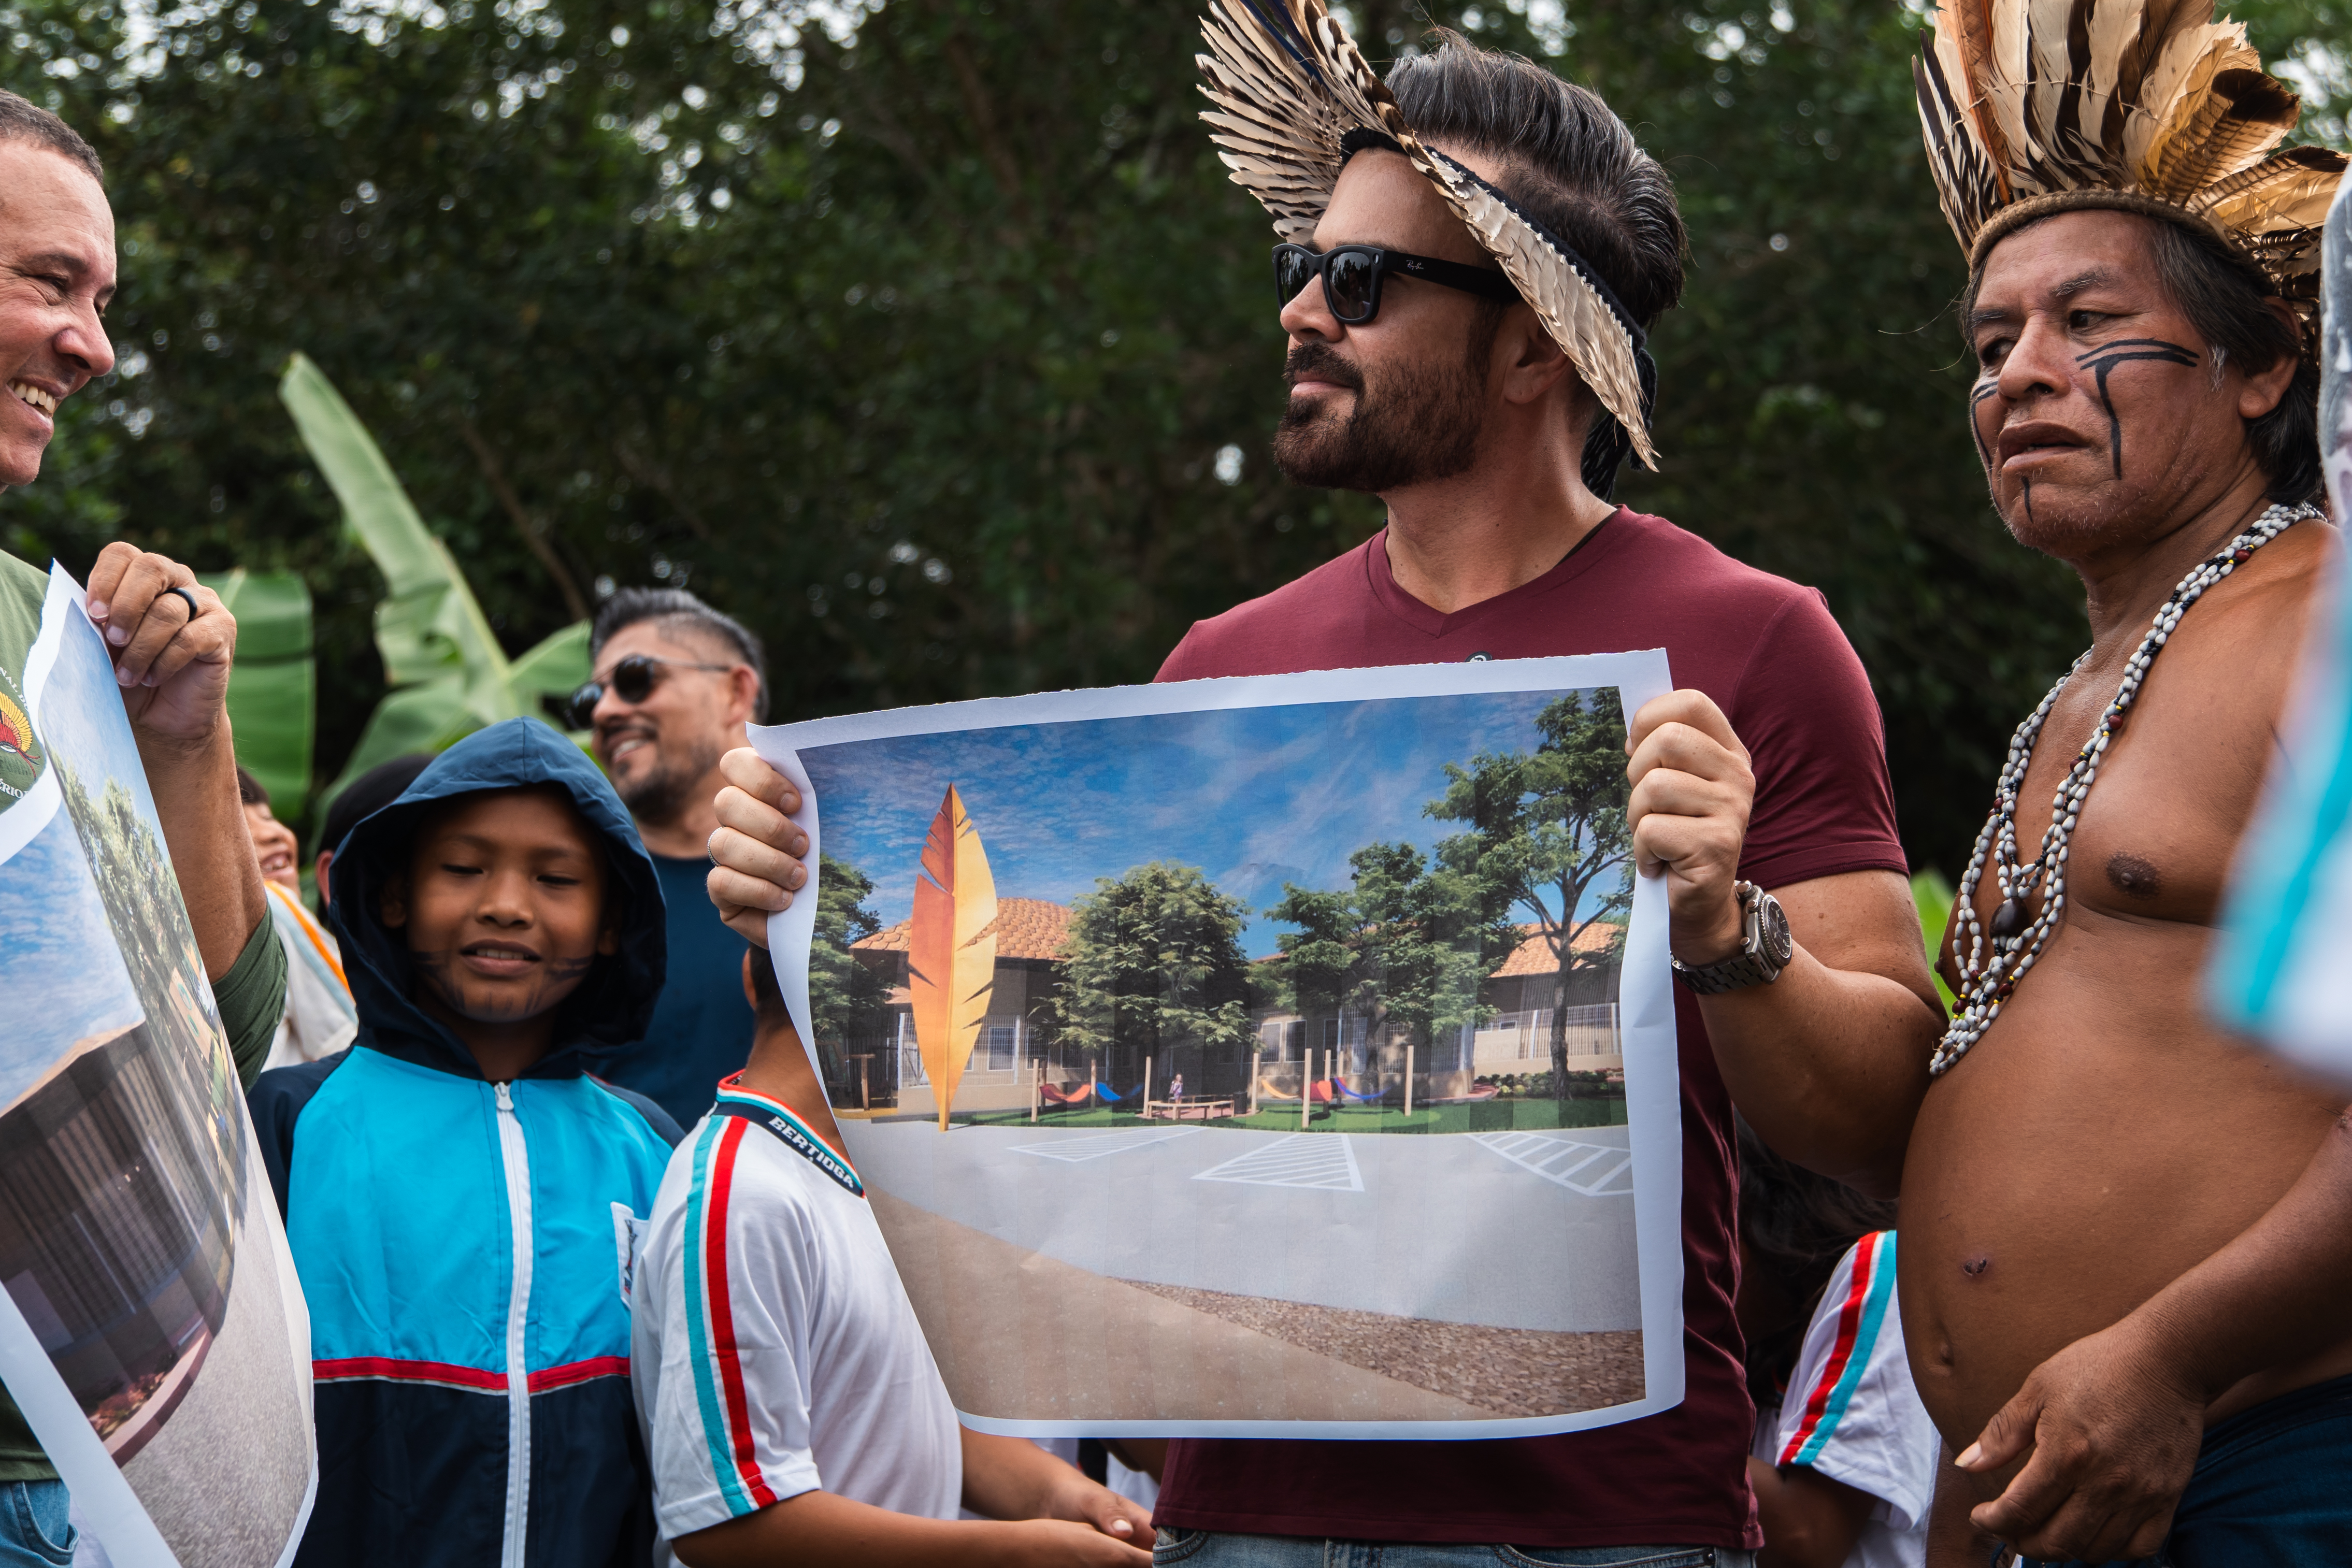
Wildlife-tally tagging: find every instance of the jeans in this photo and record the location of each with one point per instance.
(36, 1530)
(1213, 1549)
(2270, 1491)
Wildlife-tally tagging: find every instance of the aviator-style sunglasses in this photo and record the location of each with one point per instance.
(632, 680)
(1353, 274)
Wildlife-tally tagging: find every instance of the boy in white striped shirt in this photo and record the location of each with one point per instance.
(790, 1406)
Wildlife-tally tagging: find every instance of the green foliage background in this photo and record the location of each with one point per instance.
(912, 336)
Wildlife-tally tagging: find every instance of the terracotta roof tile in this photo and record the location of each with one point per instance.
(1037, 928)
(1534, 954)
(1025, 927)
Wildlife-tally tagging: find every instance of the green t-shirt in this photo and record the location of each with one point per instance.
(250, 997)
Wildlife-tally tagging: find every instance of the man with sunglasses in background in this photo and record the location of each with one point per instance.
(675, 683)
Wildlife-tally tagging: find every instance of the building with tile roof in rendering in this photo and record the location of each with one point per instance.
(1013, 1052)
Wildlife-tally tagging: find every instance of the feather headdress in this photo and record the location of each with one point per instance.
(1294, 98)
(2031, 107)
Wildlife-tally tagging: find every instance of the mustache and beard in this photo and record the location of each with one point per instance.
(1422, 426)
(658, 793)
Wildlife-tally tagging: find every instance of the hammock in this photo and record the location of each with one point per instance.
(1077, 1094)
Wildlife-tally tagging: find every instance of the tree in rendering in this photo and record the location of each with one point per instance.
(1546, 834)
(1155, 967)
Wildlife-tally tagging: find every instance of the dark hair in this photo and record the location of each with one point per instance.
(249, 791)
(2227, 300)
(1567, 161)
(769, 1004)
(677, 610)
(1796, 1225)
(21, 120)
(369, 793)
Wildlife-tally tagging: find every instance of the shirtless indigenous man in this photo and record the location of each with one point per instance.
(2127, 1260)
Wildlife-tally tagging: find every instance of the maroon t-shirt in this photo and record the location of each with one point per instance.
(1773, 660)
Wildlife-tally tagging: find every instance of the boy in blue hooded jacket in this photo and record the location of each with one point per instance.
(459, 1193)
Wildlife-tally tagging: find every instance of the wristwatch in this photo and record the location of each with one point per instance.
(1765, 951)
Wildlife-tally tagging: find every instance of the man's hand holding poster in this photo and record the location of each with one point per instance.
(151, 1329)
(1282, 1056)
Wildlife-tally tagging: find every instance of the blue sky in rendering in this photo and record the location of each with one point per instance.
(80, 717)
(61, 978)
(1254, 797)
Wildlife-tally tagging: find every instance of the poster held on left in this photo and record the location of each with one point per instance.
(151, 1329)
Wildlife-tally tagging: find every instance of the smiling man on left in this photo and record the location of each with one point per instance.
(171, 641)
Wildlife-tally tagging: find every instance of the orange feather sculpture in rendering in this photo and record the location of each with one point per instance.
(952, 949)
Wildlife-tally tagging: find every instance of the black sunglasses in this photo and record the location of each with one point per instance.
(632, 680)
(1352, 273)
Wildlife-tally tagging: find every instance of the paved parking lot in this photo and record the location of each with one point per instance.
(1523, 1230)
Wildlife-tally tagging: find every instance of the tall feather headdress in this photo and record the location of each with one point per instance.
(1294, 98)
(2033, 107)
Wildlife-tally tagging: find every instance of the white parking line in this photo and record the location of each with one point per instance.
(1595, 1170)
(1323, 1161)
(1094, 1146)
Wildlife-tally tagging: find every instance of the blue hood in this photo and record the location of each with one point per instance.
(611, 1007)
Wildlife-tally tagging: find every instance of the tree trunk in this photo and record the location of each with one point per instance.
(1559, 1041)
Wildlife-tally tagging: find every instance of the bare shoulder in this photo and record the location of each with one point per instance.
(2237, 650)
(2187, 768)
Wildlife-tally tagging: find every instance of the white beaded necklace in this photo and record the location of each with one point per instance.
(1987, 981)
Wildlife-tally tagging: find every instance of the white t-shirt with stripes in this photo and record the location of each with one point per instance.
(773, 1350)
(1852, 1413)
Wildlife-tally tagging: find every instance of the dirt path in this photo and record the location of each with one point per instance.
(1508, 1372)
(1022, 1336)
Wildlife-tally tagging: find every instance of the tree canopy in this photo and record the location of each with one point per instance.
(1155, 963)
(848, 999)
(932, 341)
(1545, 834)
(1405, 946)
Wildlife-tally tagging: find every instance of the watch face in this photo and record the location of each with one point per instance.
(1773, 934)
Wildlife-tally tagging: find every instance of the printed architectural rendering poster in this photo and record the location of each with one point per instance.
(151, 1330)
(1280, 1056)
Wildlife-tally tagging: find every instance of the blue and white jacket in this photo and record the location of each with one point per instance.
(465, 1246)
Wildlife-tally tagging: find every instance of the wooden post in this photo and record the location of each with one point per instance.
(1094, 1083)
(1306, 1085)
(1146, 1106)
(1408, 1078)
(1035, 1093)
(1258, 1065)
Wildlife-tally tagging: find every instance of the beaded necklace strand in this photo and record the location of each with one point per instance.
(1987, 980)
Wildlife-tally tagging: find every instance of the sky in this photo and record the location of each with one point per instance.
(61, 978)
(55, 944)
(1253, 797)
(80, 714)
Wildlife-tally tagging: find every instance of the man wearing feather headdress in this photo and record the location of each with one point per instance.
(2127, 1246)
(1473, 252)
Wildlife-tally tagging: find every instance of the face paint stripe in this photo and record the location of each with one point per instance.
(1977, 399)
(2103, 361)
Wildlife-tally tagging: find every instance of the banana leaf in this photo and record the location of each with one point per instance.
(448, 674)
(1933, 895)
(272, 690)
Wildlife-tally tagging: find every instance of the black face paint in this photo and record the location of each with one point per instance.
(2029, 499)
(1983, 391)
(2105, 358)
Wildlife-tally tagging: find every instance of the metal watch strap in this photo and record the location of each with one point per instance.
(1748, 966)
(1736, 973)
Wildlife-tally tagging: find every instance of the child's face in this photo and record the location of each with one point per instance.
(503, 904)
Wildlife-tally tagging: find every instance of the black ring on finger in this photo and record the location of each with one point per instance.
(188, 598)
